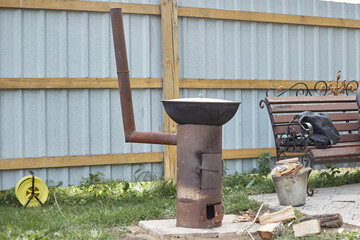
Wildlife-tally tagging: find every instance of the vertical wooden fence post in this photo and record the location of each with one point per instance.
(170, 64)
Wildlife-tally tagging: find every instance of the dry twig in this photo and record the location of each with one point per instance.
(56, 203)
(257, 215)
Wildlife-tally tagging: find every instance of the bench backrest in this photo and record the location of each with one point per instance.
(342, 110)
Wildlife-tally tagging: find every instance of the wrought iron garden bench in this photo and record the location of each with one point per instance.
(342, 110)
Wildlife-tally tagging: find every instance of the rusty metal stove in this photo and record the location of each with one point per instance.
(199, 158)
(198, 140)
(199, 174)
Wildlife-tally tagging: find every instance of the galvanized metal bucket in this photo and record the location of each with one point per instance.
(291, 189)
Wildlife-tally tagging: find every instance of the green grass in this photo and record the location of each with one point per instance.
(99, 209)
(93, 211)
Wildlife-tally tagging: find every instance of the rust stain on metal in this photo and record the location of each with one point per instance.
(189, 193)
(199, 159)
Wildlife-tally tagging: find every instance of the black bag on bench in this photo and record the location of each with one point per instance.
(321, 133)
(324, 134)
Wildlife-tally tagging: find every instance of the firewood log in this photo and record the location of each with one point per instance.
(307, 228)
(285, 214)
(326, 220)
(271, 230)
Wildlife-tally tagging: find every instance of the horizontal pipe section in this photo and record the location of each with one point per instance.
(152, 137)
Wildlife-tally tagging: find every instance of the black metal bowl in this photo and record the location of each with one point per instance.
(200, 111)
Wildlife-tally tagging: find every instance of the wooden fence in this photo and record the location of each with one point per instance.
(170, 83)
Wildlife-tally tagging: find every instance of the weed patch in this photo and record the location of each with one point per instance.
(102, 209)
(334, 176)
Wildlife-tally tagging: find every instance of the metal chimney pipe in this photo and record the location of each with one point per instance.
(131, 135)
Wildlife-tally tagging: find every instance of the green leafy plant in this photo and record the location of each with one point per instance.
(93, 179)
(264, 163)
(225, 168)
(8, 197)
(249, 183)
(238, 201)
(334, 176)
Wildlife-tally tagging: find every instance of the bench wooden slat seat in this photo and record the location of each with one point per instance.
(342, 110)
(335, 152)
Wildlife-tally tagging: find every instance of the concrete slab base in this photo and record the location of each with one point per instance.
(166, 229)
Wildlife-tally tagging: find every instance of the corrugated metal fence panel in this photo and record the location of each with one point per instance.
(42, 43)
(225, 49)
(60, 44)
(249, 50)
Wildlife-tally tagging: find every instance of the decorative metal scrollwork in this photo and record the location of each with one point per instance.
(306, 160)
(351, 86)
(321, 88)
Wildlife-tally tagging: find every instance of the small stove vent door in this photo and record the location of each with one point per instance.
(211, 171)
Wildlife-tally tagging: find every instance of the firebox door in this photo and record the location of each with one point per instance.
(211, 171)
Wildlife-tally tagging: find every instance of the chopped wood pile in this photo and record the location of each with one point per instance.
(273, 223)
(286, 167)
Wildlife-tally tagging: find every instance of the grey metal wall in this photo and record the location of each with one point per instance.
(61, 44)
(225, 49)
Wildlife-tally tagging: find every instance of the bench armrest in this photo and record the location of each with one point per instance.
(296, 140)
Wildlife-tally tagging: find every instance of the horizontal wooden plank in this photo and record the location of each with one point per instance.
(65, 83)
(110, 159)
(85, 160)
(316, 107)
(351, 126)
(351, 137)
(206, 13)
(76, 5)
(323, 161)
(267, 17)
(310, 99)
(246, 153)
(341, 145)
(238, 83)
(347, 116)
(284, 129)
(48, 83)
(335, 152)
(344, 137)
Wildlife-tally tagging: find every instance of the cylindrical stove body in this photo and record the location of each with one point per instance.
(199, 176)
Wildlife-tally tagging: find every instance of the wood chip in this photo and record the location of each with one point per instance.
(289, 169)
(277, 172)
(241, 219)
(285, 214)
(290, 160)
